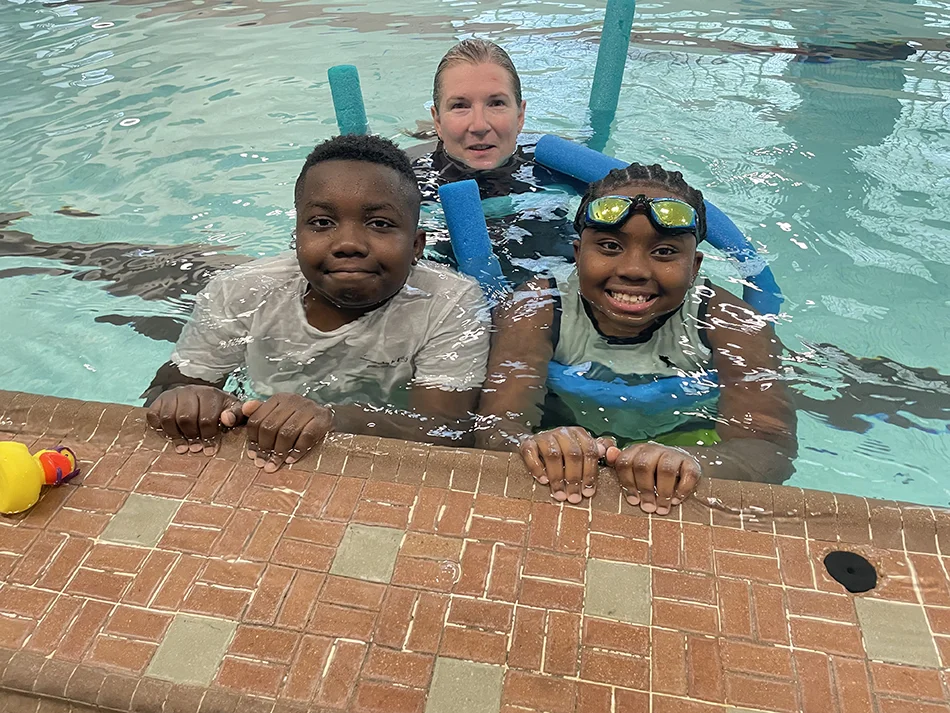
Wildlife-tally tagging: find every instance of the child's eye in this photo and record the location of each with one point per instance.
(665, 251)
(610, 245)
(380, 223)
(321, 222)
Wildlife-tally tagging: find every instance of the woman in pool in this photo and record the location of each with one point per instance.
(478, 112)
(634, 308)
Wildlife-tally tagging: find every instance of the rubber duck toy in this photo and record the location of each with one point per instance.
(22, 475)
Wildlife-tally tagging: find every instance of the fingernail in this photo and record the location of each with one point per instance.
(195, 447)
(270, 467)
(662, 510)
(589, 491)
(633, 500)
(559, 495)
(260, 462)
(544, 480)
(574, 498)
(181, 449)
(251, 454)
(676, 501)
(290, 460)
(648, 507)
(210, 450)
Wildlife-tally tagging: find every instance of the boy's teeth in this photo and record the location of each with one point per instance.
(630, 299)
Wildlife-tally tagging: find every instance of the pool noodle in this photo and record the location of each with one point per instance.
(588, 166)
(612, 55)
(468, 232)
(347, 99)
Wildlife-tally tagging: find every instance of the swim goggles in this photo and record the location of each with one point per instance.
(670, 215)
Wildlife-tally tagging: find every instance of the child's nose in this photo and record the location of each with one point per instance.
(349, 243)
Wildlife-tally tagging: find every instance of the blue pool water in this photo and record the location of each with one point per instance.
(185, 122)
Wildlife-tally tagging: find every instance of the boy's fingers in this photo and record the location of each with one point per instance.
(310, 435)
(257, 421)
(209, 416)
(233, 414)
(612, 454)
(591, 457)
(248, 408)
(187, 409)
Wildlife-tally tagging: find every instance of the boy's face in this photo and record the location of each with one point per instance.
(357, 235)
(635, 275)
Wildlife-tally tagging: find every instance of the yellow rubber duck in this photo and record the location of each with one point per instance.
(22, 475)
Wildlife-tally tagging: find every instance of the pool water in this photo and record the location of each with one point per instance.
(820, 128)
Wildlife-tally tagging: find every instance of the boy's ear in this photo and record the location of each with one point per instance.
(697, 263)
(577, 248)
(418, 246)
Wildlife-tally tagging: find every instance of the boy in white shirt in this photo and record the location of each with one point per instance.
(354, 332)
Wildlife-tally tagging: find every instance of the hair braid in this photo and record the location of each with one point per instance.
(654, 175)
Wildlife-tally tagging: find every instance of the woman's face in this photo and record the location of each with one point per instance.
(477, 118)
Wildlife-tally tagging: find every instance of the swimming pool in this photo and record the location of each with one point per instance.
(837, 167)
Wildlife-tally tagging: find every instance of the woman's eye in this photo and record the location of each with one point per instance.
(498, 102)
(457, 105)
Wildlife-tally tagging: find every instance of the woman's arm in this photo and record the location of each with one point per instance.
(522, 346)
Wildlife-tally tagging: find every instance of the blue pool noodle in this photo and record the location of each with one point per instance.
(612, 55)
(347, 99)
(588, 166)
(468, 232)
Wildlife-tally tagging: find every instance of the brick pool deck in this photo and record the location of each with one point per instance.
(383, 576)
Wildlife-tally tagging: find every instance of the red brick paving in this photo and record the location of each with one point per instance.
(489, 570)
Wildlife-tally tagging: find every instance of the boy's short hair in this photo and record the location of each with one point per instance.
(362, 147)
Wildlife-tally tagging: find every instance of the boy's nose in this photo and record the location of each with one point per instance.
(349, 243)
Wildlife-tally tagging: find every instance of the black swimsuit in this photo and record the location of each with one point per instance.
(522, 236)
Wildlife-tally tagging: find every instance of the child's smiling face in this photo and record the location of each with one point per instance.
(357, 233)
(634, 275)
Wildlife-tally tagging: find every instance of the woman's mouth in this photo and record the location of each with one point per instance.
(481, 148)
(630, 303)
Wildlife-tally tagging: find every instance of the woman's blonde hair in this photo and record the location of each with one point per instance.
(476, 51)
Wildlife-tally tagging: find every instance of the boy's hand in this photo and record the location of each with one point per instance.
(284, 428)
(192, 417)
(566, 459)
(655, 477)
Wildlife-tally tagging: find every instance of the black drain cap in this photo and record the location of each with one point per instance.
(852, 571)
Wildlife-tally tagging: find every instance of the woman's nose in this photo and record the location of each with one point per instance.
(479, 123)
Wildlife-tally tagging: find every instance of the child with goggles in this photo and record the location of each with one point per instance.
(633, 309)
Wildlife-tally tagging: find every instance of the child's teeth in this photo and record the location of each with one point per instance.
(630, 299)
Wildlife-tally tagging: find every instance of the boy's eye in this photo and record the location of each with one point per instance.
(610, 245)
(380, 223)
(665, 251)
(321, 222)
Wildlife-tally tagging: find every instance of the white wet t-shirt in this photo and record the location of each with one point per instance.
(434, 332)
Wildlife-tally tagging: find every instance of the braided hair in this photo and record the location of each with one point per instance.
(655, 176)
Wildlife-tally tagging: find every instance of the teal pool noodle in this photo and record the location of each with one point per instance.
(612, 55)
(468, 232)
(347, 99)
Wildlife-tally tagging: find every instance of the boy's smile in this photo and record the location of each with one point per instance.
(634, 275)
(357, 238)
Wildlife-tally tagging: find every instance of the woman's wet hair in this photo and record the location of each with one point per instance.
(358, 147)
(476, 51)
(655, 176)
